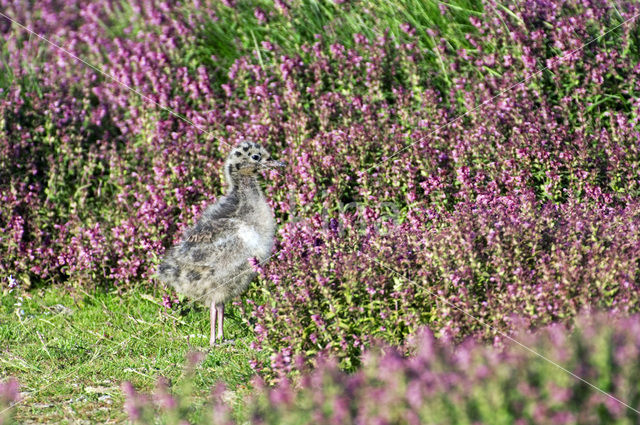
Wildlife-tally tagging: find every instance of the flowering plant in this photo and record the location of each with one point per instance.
(432, 381)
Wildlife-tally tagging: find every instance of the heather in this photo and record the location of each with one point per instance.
(96, 180)
(524, 204)
(9, 393)
(493, 258)
(432, 381)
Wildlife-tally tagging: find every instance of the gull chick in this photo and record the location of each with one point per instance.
(210, 264)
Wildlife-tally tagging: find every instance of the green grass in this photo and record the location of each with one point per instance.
(238, 32)
(70, 350)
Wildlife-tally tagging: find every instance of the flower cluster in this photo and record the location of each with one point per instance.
(525, 204)
(432, 381)
(438, 383)
(9, 394)
(94, 180)
(327, 291)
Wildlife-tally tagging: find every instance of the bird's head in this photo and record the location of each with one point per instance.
(247, 159)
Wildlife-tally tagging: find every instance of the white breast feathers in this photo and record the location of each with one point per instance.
(258, 245)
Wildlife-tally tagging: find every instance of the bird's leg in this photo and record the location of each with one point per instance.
(220, 309)
(213, 316)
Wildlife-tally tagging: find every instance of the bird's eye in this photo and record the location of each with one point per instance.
(255, 157)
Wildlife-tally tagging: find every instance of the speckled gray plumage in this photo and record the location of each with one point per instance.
(210, 264)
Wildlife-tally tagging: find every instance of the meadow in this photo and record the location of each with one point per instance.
(459, 220)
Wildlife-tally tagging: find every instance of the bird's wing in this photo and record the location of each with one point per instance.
(225, 208)
(210, 244)
(211, 231)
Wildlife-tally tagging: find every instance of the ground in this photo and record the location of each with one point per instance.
(71, 349)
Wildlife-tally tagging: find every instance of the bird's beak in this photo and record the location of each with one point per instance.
(275, 164)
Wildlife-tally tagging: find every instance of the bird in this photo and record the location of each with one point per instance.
(210, 264)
